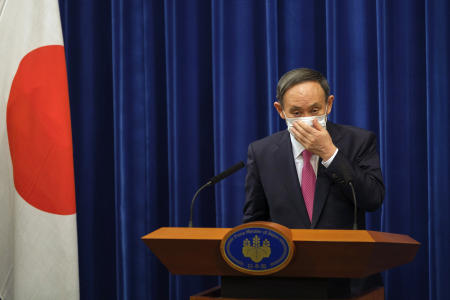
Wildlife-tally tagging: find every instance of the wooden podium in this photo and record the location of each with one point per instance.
(323, 266)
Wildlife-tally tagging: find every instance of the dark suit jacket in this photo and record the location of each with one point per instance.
(273, 192)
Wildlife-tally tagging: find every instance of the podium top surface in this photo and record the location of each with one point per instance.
(306, 235)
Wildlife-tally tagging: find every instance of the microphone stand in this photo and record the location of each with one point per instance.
(355, 209)
(193, 200)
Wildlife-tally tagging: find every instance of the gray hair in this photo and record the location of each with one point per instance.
(300, 75)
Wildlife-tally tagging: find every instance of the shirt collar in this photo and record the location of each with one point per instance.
(297, 148)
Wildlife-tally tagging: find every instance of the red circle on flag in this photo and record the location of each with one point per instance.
(39, 131)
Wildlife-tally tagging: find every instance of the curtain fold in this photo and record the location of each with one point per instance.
(437, 30)
(87, 38)
(405, 154)
(166, 94)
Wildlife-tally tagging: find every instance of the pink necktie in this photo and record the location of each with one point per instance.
(308, 183)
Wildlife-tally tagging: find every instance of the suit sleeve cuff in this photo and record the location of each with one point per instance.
(327, 163)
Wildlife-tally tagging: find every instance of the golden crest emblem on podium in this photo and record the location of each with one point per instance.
(257, 248)
(256, 252)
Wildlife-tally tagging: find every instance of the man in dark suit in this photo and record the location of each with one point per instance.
(300, 177)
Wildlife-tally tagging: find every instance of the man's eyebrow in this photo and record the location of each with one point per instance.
(315, 104)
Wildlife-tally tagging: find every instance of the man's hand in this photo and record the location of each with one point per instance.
(315, 139)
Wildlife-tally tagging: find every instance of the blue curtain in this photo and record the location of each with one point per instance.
(165, 94)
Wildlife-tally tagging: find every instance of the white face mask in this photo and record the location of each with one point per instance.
(307, 120)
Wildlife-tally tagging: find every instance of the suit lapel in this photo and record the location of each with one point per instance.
(323, 182)
(321, 193)
(287, 170)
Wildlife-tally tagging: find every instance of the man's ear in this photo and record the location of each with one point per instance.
(279, 109)
(330, 104)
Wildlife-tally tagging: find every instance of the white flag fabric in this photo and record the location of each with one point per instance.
(38, 238)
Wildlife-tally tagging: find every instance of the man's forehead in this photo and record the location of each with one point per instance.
(308, 88)
(304, 96)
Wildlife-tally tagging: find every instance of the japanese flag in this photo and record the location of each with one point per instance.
(38, 238)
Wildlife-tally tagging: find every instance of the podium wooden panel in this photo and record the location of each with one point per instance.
(318, 254)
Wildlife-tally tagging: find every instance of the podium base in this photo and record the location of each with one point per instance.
(214, 294)
(312, 293)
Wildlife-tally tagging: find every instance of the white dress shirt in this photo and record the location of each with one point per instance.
(297, 150)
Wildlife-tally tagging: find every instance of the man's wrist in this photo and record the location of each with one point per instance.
(330, 153)
(327, 163)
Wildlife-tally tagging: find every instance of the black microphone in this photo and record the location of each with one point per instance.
(213, 181)
(227, 173)
(348, 181)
